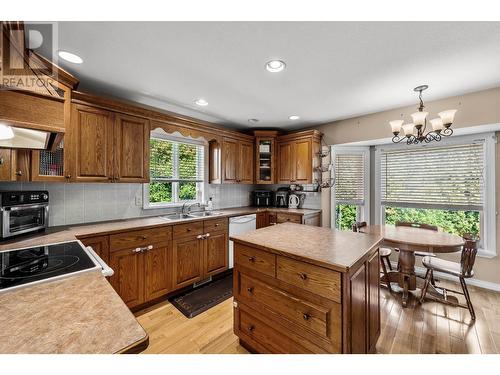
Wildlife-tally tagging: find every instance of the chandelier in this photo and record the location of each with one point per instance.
(414, 133)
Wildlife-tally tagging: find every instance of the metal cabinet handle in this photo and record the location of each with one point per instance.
(136, 250)
(68, 176)
(200, 236)
(250, 289)
(19, 173)
(306, 316)
(303, 276)
(188, 229)
(251, 259)
(217, 224)
(207, 235)
(142, 249)
(251, 328)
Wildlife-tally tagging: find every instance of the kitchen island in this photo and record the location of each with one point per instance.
(302, 289)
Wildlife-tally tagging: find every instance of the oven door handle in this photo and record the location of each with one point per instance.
(107, 271)
(24, 206)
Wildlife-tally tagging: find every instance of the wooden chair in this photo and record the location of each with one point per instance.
(462, 270)
(384, 253)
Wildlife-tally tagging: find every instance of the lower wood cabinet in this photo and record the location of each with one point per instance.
(262, 220)
(100, 244)
(187, 261)
(158, 278)
(128, 277)
(216, 253)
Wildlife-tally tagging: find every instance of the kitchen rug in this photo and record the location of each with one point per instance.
(196, 301)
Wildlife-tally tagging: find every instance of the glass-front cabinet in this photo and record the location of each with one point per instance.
(265, 160)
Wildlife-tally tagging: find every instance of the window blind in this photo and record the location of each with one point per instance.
(449, 177)
(349, 178)
(176, 161)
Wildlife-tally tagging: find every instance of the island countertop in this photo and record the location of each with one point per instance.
(79, 314)
(334, 249)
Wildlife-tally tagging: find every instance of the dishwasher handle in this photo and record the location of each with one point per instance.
(243, 220)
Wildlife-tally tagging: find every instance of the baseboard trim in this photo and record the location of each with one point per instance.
(472, 281)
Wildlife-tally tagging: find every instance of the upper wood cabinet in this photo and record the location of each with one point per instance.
(108, 146)
(237, 161)
(131, 149)
(265, 156)
(298, 157)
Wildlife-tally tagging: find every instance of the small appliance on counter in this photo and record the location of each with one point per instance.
(23, 212)
(281, 197)
(293, 200)
(262, 198)
(296, 191)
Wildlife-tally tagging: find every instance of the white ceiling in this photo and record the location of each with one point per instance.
(334, 70)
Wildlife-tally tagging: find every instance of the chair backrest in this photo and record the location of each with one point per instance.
(416, 225)
(469, 252)
(358, 225)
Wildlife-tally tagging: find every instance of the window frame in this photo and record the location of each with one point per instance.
(487, 215)
(363, 212)
(200, 186)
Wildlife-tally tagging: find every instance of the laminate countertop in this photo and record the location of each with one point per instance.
(330, 248)
(78, 314)
(71, 232)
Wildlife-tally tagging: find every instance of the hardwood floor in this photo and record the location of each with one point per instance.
(428, 328)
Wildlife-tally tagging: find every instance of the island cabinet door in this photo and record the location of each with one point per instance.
(187, 260)
(158, 280)
(358, 311)
(373, 285)
(216, 253)
(128, 279)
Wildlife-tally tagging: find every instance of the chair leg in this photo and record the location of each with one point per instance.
(467, 298)
(389, 263)
(386, 275)
(428, 277)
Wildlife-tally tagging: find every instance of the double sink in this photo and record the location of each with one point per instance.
(191, 215)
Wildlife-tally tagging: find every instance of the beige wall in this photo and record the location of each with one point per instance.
(474, 109)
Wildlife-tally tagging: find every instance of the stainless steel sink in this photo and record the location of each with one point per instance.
(205, 213)
(176, 216)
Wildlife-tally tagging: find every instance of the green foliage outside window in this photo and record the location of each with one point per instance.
(345, 216)
(160, 192)
(455, 222)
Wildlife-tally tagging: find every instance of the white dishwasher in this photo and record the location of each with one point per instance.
(239, 225)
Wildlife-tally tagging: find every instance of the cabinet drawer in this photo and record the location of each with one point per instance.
(315, 279)
(255, 259)
(139, 238)
(286, 305)
(270, 338)
(287, 218)
(188, 229)
(215, 225)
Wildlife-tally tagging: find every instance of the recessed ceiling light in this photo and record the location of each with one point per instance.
(71, 57)
(201, 102)
(293, 117)
(253, 120)
(275, 66)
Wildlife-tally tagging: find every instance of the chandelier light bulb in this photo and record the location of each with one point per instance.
(419, 118)
(396, 126)
(447, 116)
(437, 124)
(408, 129)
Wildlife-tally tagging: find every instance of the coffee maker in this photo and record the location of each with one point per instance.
(281, 197)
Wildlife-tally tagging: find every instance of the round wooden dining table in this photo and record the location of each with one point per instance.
(408, 240)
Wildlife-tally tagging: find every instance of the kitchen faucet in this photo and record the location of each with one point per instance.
(188, 206)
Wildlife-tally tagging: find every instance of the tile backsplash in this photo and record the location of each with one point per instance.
(76, 203)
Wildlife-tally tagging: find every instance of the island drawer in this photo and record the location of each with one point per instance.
(290, 307)
(315, 279)
(269, 337)
(139, 238)
(288, 218)
(213, 225)
(255, 259)
(188, 229)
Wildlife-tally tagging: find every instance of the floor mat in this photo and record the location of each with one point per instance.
(198, 300)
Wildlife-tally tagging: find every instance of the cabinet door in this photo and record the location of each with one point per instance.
(246, 163)
(92, 140)
(131, 149)
(373, 301)
(7, 169)
(100, 244)
(358, 311)
(128, 279)
(216, 253)
(230, 160)
(285, 167)
(50, 165)
(187, 260)
(158, 271)
(302, 162)
(262, 220)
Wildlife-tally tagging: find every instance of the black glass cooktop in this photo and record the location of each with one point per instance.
(23, 266)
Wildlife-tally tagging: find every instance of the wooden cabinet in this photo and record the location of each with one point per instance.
(131, 149)
(265, 156)
(262, 220)
(216, 253)
(237, 161)
(298, 157)
(109, 147)
(187, 260)
(158, 277)
(100, 244)
(373, 284)
(128, 277)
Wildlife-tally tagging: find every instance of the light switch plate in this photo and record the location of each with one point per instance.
(138, 200)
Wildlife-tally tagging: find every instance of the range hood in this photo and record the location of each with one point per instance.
(15, 137)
